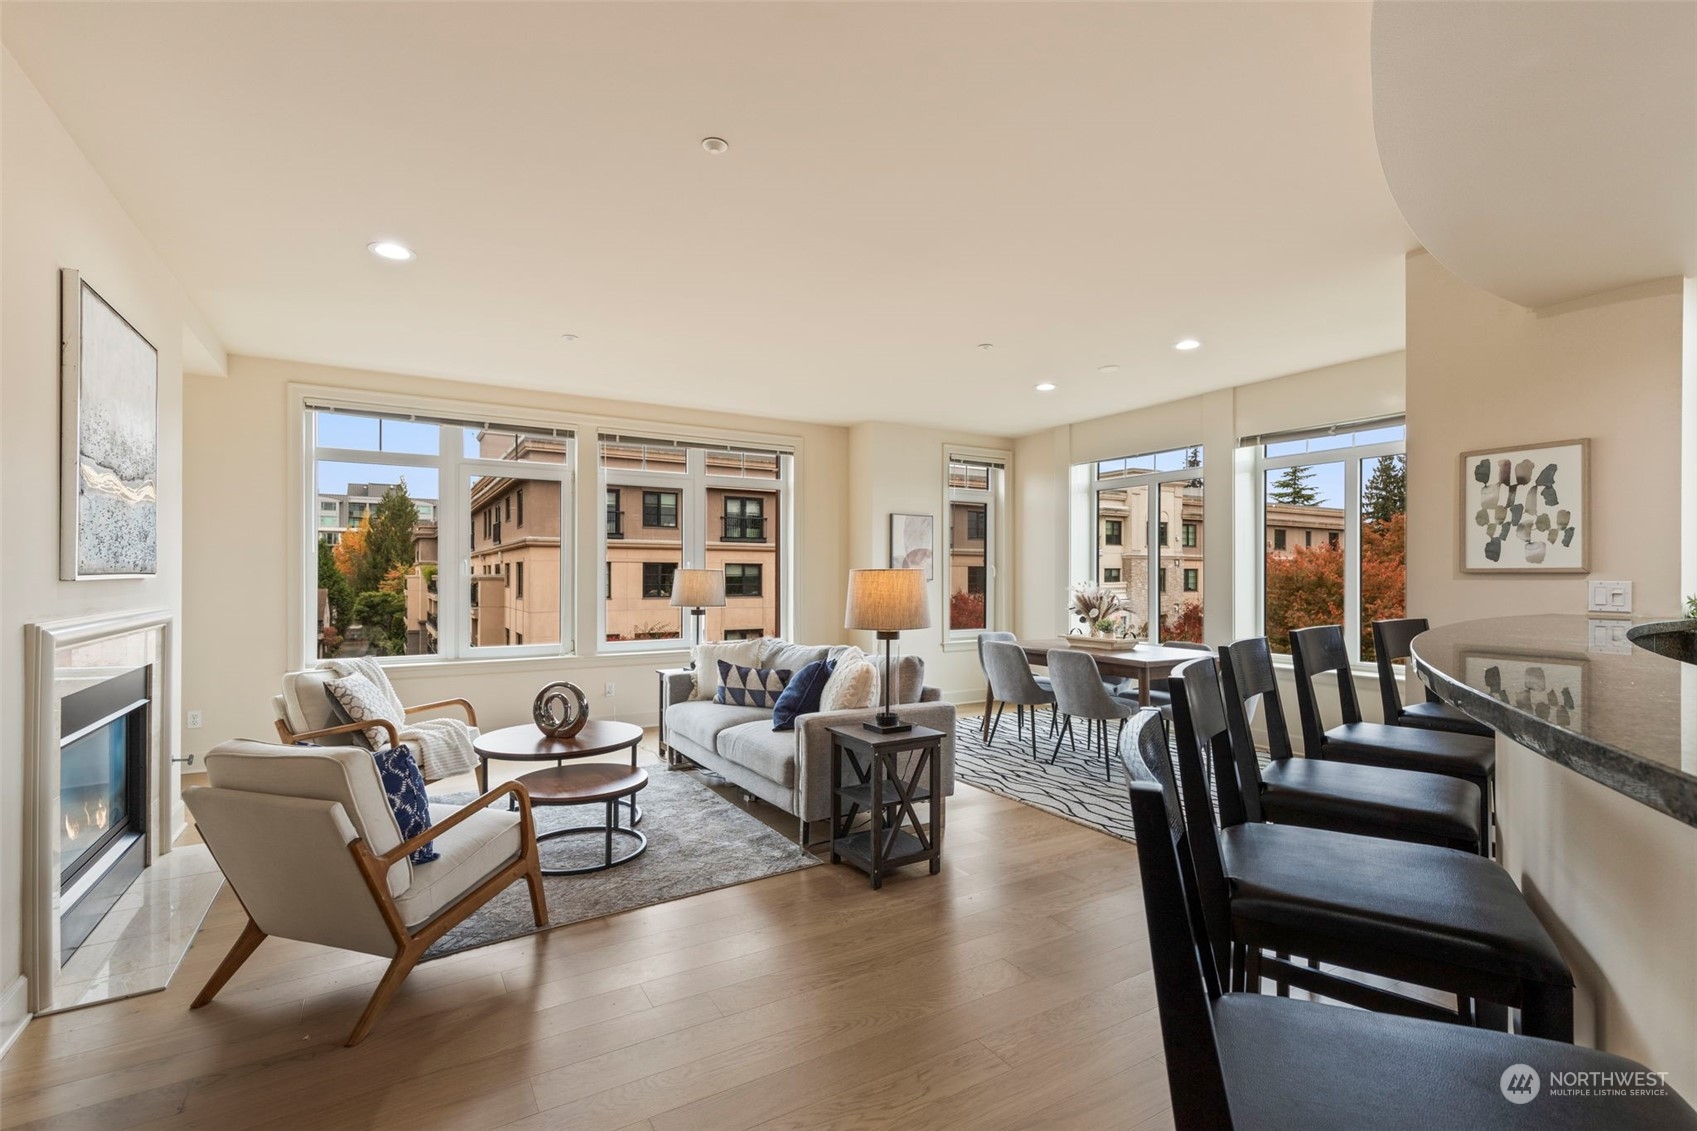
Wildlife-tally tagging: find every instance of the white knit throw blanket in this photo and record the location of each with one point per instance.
(442, 746)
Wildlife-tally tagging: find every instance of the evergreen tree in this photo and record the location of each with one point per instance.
(330, 579)
(1385, 494)
(1292, 489)
(389, 542)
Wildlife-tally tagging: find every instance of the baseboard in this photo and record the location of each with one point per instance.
(14, 1013)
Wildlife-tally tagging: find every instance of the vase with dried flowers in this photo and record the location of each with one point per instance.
(1099, 610)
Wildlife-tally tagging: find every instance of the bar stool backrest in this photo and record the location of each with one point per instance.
(1187, 978)
(1314, 652)
(1393, 642)
(1247, 680)
(1199, 726)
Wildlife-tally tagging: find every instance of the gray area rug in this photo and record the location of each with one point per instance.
(697, 841)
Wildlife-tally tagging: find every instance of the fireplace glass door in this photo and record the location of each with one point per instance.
(94, 791)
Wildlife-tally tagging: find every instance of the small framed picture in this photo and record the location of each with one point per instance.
(1526, 509)
(912, 542)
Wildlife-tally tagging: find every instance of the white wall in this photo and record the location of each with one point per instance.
(237, 578)
(56, 212)
(1611, 878)
(898, 469)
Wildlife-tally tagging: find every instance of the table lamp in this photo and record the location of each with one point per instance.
(886, 601)
(698, 590)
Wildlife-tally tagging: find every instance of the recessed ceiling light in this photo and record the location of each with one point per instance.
(568, 337)
(1187, 344)
(1046, 387)
(715, 144)
(986, 345)
(1107, 369)
(389, 249)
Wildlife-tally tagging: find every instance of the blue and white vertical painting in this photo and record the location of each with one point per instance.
(109, 438)
(1526, 510)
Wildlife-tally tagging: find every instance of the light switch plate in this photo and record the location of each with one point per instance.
(1609, 636)
(1609, 597)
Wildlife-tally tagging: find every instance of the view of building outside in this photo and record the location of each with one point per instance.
(968, 534)
(1124, 561)
(646, 519)
(1305, 579)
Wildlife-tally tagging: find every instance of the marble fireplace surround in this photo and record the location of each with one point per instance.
(137, 946)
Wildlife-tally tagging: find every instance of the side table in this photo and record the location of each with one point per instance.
(878, 785)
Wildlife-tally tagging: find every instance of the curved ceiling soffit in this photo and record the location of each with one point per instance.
(1542, 151)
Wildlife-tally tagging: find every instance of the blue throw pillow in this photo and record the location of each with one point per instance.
(403, 785)
(801, 695)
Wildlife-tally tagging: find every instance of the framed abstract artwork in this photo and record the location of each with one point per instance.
(109, 440)
(912, 542)
(1526, 509)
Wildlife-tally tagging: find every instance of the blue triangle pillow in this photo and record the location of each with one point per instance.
(749, 687)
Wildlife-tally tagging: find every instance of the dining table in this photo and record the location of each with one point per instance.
(1143, 662)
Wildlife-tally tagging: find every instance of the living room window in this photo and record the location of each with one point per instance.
(971, 543)
(394, 584)
(1333, 509)
(1137, 499)
(702, 504)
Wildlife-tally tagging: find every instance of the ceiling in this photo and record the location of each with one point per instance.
(1544, 152)
(1080, 185)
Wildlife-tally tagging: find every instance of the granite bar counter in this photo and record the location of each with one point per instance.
(1621, 712)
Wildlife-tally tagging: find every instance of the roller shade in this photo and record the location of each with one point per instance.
(1340, 428)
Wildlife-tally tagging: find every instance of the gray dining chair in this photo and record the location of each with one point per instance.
(989, 693)
(1079, 694)
(1011, 681)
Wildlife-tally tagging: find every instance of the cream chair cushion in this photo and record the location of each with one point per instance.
(305, 704)
(344, 774)
(468, 853)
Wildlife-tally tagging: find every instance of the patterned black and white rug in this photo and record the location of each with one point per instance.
(1074, 787)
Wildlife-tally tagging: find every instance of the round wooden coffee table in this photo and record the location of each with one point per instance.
(590, 783)
(526, 743)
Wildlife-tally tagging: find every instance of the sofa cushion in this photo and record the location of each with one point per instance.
(909, 680)
(801, 694)
(759, 748)
(466, 854)
(701, 722)
(777, 653)
(707, 657)
(750, 687)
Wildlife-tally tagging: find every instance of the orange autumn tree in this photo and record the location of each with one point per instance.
(349, 553)
(1305, 584)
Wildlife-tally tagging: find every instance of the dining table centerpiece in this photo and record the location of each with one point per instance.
(1102, 613)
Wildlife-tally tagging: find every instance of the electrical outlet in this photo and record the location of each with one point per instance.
(195, 720)
(608, 691)
(1609, 636)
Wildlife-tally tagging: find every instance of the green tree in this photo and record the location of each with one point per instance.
(1385, 494)
(330, 579)
(384, 616)
(389, 542)
(1292, 489)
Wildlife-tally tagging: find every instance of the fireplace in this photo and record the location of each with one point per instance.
(103, 754)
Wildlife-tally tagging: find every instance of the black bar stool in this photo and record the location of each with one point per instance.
(1391, 646)
(1415, 913)
(1244, 1060)
(1348, 798)
(1316, 651)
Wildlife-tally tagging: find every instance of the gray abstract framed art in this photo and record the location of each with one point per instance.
(1526, 509)
(109, 440)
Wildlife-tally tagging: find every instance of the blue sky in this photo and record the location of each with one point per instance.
(365, 433)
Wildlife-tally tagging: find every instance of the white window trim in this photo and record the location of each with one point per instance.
(1095, 483)
(301, 473)
(998, 598)
(1351, 458)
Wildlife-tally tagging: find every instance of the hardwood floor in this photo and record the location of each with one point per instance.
(1010, 991)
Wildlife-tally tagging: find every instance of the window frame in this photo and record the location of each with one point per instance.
(742, 577)
(1094, 482)
(992, 496)
(1351, 456)
(659, 522)
(455, 521)
(742, 517)
(662, 589)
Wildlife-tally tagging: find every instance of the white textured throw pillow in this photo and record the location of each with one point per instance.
(853, 686)
(363, 701)
(742, 653)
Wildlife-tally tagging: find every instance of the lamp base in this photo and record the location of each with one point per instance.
(887, 724)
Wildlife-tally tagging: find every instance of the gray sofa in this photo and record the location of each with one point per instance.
(788, 769)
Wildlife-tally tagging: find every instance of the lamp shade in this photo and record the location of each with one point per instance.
(698, 588)
(887, 600)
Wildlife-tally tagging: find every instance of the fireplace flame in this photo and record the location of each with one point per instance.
(94, 815)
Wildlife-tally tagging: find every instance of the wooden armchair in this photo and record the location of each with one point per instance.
(304, 715)
(310, 846)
